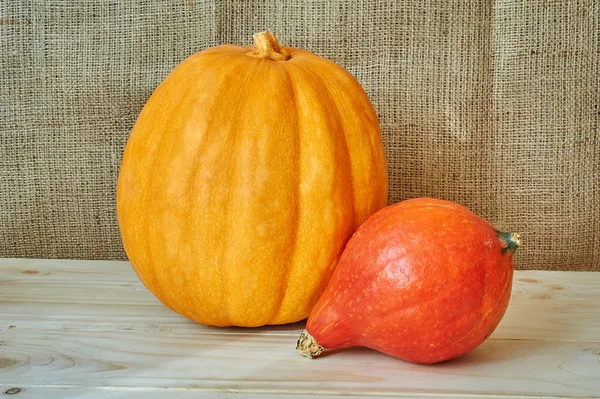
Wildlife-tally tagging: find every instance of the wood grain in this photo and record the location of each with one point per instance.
(152, 393)
(90, 329)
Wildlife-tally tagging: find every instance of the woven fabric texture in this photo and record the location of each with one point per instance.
(492, 104)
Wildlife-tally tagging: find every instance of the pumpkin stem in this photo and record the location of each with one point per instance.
(267, 47)
(512, 241)
(307, 345)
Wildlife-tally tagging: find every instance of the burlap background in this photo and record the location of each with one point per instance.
(493, 104)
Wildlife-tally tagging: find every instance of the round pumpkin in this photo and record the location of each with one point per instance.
(244, 176)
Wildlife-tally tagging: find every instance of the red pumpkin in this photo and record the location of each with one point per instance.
(423, 280)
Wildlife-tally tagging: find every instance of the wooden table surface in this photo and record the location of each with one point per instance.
(90, 329)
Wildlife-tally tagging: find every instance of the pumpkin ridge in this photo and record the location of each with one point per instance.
(145, 221)
(247, 166)
(216, 103)
(343, 155)
(294, 239)
(149, 279)
(230, 223)
(150, 246)
(304, 80)
(367, 116)
(337, 116)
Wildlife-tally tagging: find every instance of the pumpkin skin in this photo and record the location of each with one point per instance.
(424, 280)
(244, 176)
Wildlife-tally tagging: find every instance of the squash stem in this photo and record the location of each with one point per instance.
(268, 47)
(511, 241)
(307, 345)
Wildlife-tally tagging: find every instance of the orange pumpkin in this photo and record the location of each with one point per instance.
(244, 176)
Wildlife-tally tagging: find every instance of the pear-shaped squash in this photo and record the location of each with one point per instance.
(424, 280)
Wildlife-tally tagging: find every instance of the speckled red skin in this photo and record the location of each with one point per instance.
(423, 280)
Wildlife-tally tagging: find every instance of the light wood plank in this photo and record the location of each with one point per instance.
(119, 276)
(88, 296)
(259, 363)
(108, 296)
(75, 327)
(34, 392)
